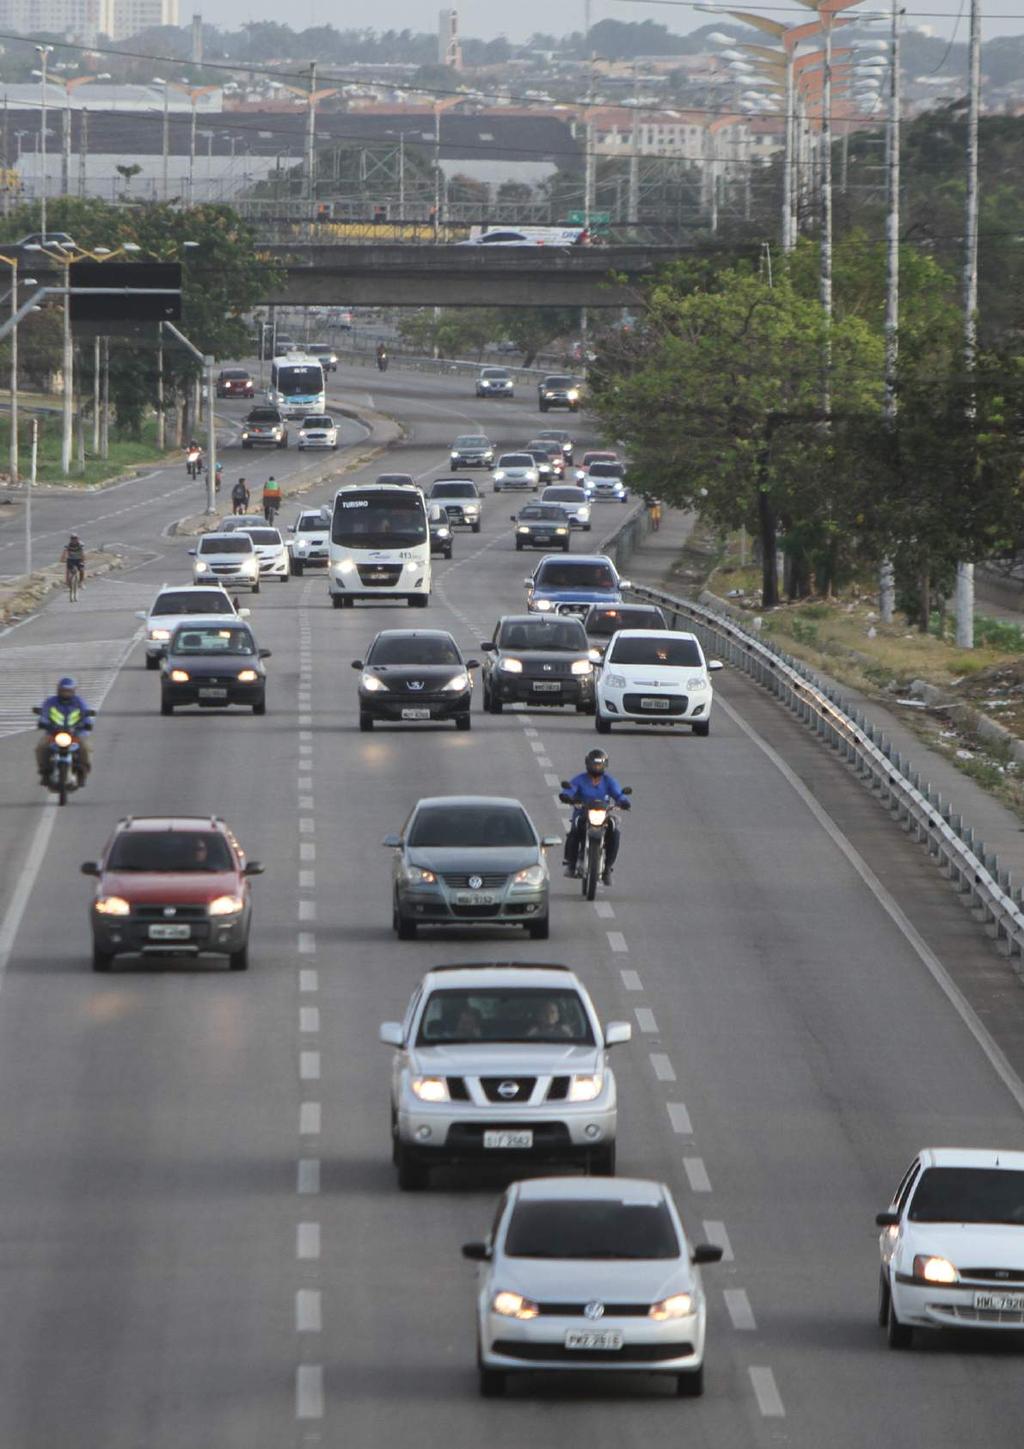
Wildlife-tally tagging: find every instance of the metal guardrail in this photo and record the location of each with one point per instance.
(974, 872)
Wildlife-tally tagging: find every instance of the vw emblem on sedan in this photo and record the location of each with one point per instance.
(416, 683)
(475, 882)
(593, 1310)
(508, 1090)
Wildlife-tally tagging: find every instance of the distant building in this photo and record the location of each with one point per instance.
(449, 47)
(78, 19)
(122, 18)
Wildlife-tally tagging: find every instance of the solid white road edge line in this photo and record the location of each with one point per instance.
(926, 955)
(25, 885)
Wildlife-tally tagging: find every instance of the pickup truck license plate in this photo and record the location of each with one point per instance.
(415, 713)
(213, 694)
(646, 702)
(1000, 1302)
(508, 1139)
(593, 1338)
(549, 686)
(171, 931)
(475, 898)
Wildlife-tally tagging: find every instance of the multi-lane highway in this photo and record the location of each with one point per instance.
(201, 1240)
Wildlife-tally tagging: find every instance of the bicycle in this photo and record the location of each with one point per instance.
(74, 580)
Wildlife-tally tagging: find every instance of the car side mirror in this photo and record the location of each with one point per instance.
(191, 553)
(706, 1253)
(527, 583)
(617, 1033)
(888, 1219)
(254, 867)
(472, 664)
(90, 867)
(511, 516)
(625, 583)
(291, 528)
(265, 653)
(390, 1033)
(243, 613)
(714, 664)
(550, 841)
(357, 664)
(140, 614)
(487, 646)
(476, 1252)
(595, 655)
(393, 842)
(35, 709)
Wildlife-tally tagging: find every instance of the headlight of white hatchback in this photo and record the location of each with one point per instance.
(696, 681)
(614, 681)
(679, 1305)
(935, 1270)
(513, 1305)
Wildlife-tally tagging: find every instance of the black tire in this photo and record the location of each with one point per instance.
(590, 878)
(256, 587)
(447, 553)
(493, 1383)
(883, 1300)
(519, 545)
(152, 661)
(418, 601)
(284, 578)
(260, 707)
(246, 445)
(405, 929)
(239, 960)
(283, 443)
(412, 1175)
(297, 569)
(539, 930)
(543, 407)
(602, 725)
(690, 1385)
(493, 704)
(464, 721)
(602, 1161)
(565, 546)
(898, 1335)
(365, 722)
(702, 728)
(338, 601)
(101, 960)
(62, 784)
(475, 527)
(166, 707)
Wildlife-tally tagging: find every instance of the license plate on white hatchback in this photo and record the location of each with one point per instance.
(503, 1140)
(170, 932)
(1000, 1302)
(649, 702)
(593, 1338)
(415, 713)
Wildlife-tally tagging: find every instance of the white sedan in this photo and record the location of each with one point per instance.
(516, 470)
(177, 604)
(272, 553)
(655, 676)
(318, 431)
(952, 1244)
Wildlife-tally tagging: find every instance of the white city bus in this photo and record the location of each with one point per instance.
(380, 545)
(297, 386)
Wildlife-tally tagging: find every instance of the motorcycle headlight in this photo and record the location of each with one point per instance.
(416, 876)
(582, 666)
(935, 1270)
(247, 676)
(615, 681)
(63, 740)
(679, 1305)
(200, 567)
(533, 875)
(180, 676)
(513, 1305)
(511, 666)
(457, 683)
(695, 681)
(371, 683)
(544, 605)
(226, 906)
(597, 815)
(587, 1088)
(161, 634)
(429, 1089)
(113, 906)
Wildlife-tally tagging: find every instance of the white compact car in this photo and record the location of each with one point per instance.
(594, 1275)
(655, 676)
(318, 431)
(308, 544)
(226, 558)
(516, 470)
(575, 501)
(271, 552)
(952, 1244)
(606, 483)
(176, 604)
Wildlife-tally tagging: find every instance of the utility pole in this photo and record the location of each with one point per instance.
(96, 397)
(83, 152)
(65, 149)
(166, 141)
(965, 571)
(105, 429)
(68, 370)
(311, 136)
(43, 51)
(161, 416)
(14, 376)
(887, 580)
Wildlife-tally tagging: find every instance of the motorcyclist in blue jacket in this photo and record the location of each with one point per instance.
(592, 786)
(65, 710)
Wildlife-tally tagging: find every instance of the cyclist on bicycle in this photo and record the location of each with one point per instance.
(240, 497)
(271, 498)
(73, 559)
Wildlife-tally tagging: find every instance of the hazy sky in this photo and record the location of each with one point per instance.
(488, 18)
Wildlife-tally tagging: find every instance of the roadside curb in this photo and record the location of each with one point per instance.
(23, 594)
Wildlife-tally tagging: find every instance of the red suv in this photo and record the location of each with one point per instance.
(234, 382)
(171, 886)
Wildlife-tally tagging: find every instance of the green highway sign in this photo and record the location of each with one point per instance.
(597, 219)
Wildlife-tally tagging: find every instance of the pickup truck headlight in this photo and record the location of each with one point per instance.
(543, 605)
(112, 906)
(429, 1089)
(582, 666)
(226, 906)
(510, 666)
(573, 394)
(586, 1088)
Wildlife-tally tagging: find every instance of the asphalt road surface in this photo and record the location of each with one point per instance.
(201, 1239)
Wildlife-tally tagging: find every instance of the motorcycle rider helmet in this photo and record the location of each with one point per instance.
(596, 762)
(66, 688)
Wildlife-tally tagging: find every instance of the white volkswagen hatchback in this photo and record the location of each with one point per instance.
(655, 676)
(592, 1274)
(952, 1244)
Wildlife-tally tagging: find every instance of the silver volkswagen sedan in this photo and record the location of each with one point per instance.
(469, 860)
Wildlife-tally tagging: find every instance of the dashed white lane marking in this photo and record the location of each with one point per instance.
(309, 1019)
(544, 762)
(307, 1241)
(307, 943)
(307, 910)
(307, 850)
(309, 980)
(680, 1119)
(537, 747)
(631, 981)
(530, 731)
(309, 1391)
(696, 1174)
(304, 782)
(740, 1311)
(306, 825)
(309, 1066)
(308, 1181)
(307, 880)
(310, 1118)
(769, 1400)
(305, 802)
(715, 1233)
(552, 780)
(305, 719)
(305, 749)
(605, 910)
(645, 1018)
(617, 941)
(305, 737)
(663, 1068)
(308, 1312)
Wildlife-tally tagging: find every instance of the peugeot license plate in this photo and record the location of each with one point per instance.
(415, 713)
(521, 1139)
(1000, 1302)
(213, 694)
(648, 703)
(550, 686)
(170, 931)
(593, 1338)
(475, 898)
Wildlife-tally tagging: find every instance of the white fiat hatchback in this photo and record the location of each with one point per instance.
(655, 676)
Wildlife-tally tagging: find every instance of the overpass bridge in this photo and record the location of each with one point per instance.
(401, 275)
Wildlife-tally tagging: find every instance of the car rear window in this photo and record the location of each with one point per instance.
(189, 639)
(607, 470)
(455, 826)
(425, 650)
(680, 653)
(264, 415)
(226, 543)
(568, 1228)
(567, 635)
(320, 421)
(454, 490)
(969, 1195)
(605, 622)
(506, 1014)
(177, 850)
(559, 574)
(311, 523)
(516, 460)
(201, 601)
(263, 535)
(565, 495)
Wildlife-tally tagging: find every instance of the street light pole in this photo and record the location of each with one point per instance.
(14, 375)
(887, 580)
(43, 51)
(965, 571)
(311, 137)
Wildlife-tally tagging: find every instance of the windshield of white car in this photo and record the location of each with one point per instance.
(969, 1195)
(556, 574)
(207, 602)
(471, 441)
(229, 543)
(565, 636)
(264, 535)
(320, 421)
(456, 1016)
(591, 1229)
(311, 523)
(461, 827)
(175, 850)
(603, 622)
(192, 640)
(674, 653)
(454, 490)
(516, 460)
(425, 649)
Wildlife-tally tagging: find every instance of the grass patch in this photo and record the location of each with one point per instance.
(125, 453)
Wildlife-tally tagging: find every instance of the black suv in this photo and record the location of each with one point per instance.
(558, 391)
(538, 660)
